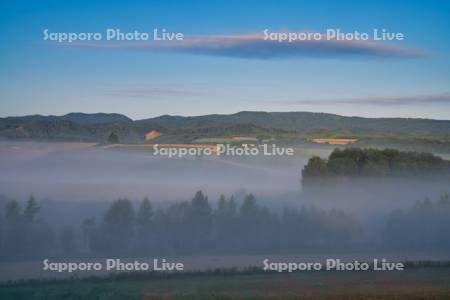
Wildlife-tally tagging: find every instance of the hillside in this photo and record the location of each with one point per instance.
(97, 127)
(97, 118)
(313, 123)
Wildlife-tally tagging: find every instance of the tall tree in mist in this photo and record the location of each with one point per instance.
(172, 227)
(26, 234)
(226, 209)
(14, 228)
(12, 212)
(1, 233)
(144, 215)
(200, 219)
(39, 235)
(256, 222)
(144, 223)
(118, 226)
(425, 225)
(67, 240)
(249, 208)
(226, 223)
(87, 233)
(31, 210)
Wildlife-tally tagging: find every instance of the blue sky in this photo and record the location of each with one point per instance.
(44, 77)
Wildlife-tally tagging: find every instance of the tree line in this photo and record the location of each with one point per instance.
(357, 163)
(230, 226)
(424, 225)
(197, 226)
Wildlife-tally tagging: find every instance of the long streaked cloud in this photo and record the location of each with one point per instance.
(441, 98)
(153, 93)
(253, 46)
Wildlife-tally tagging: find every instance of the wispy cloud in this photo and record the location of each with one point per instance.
(442, 98)
(253, 46)
(153, 93)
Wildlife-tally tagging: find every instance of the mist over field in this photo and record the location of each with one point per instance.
(83, 172)
(90, 200)
(224, 150)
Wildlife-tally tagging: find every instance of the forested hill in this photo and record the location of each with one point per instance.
(97, 127)
(308, 122)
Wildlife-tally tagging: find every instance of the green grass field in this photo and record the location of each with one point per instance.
(420, 283)
(222, 140)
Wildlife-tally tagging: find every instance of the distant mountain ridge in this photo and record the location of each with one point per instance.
(96, 127)
(96, 118)
(76, 117)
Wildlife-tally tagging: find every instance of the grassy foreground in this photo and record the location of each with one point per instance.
(418, 283)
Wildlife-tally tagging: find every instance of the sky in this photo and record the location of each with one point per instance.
(223, 65)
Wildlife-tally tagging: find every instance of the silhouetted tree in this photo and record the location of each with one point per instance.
(14, 228)
(424, 225)
(117, 230)
(12, 212)
(113, 138)
(315, 170)
(67, 240)
(31, 210)
(144, 220)
(226, 223)
(1, 233)
(144, 214)
(249, 209)
(200, 219)
(26, 234)
(87, 232)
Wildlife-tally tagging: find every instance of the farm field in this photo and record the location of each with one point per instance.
(335, 141)
(234, 139)
(420, 283)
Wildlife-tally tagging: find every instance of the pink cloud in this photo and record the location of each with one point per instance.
(253, 46)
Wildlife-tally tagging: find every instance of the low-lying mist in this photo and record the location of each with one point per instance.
(88, 202)
(83, 172)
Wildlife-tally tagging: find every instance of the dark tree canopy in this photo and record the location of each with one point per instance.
(357, 162)
(237, 224)
(113, 138)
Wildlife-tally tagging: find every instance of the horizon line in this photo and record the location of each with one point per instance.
(211, 114)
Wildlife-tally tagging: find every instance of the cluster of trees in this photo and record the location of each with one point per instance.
(231, 226)
(22, 232)
(424, 225)
(357, 162)
(113, 138)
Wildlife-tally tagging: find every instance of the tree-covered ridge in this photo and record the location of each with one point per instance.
(357, 162)
(291, 125)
